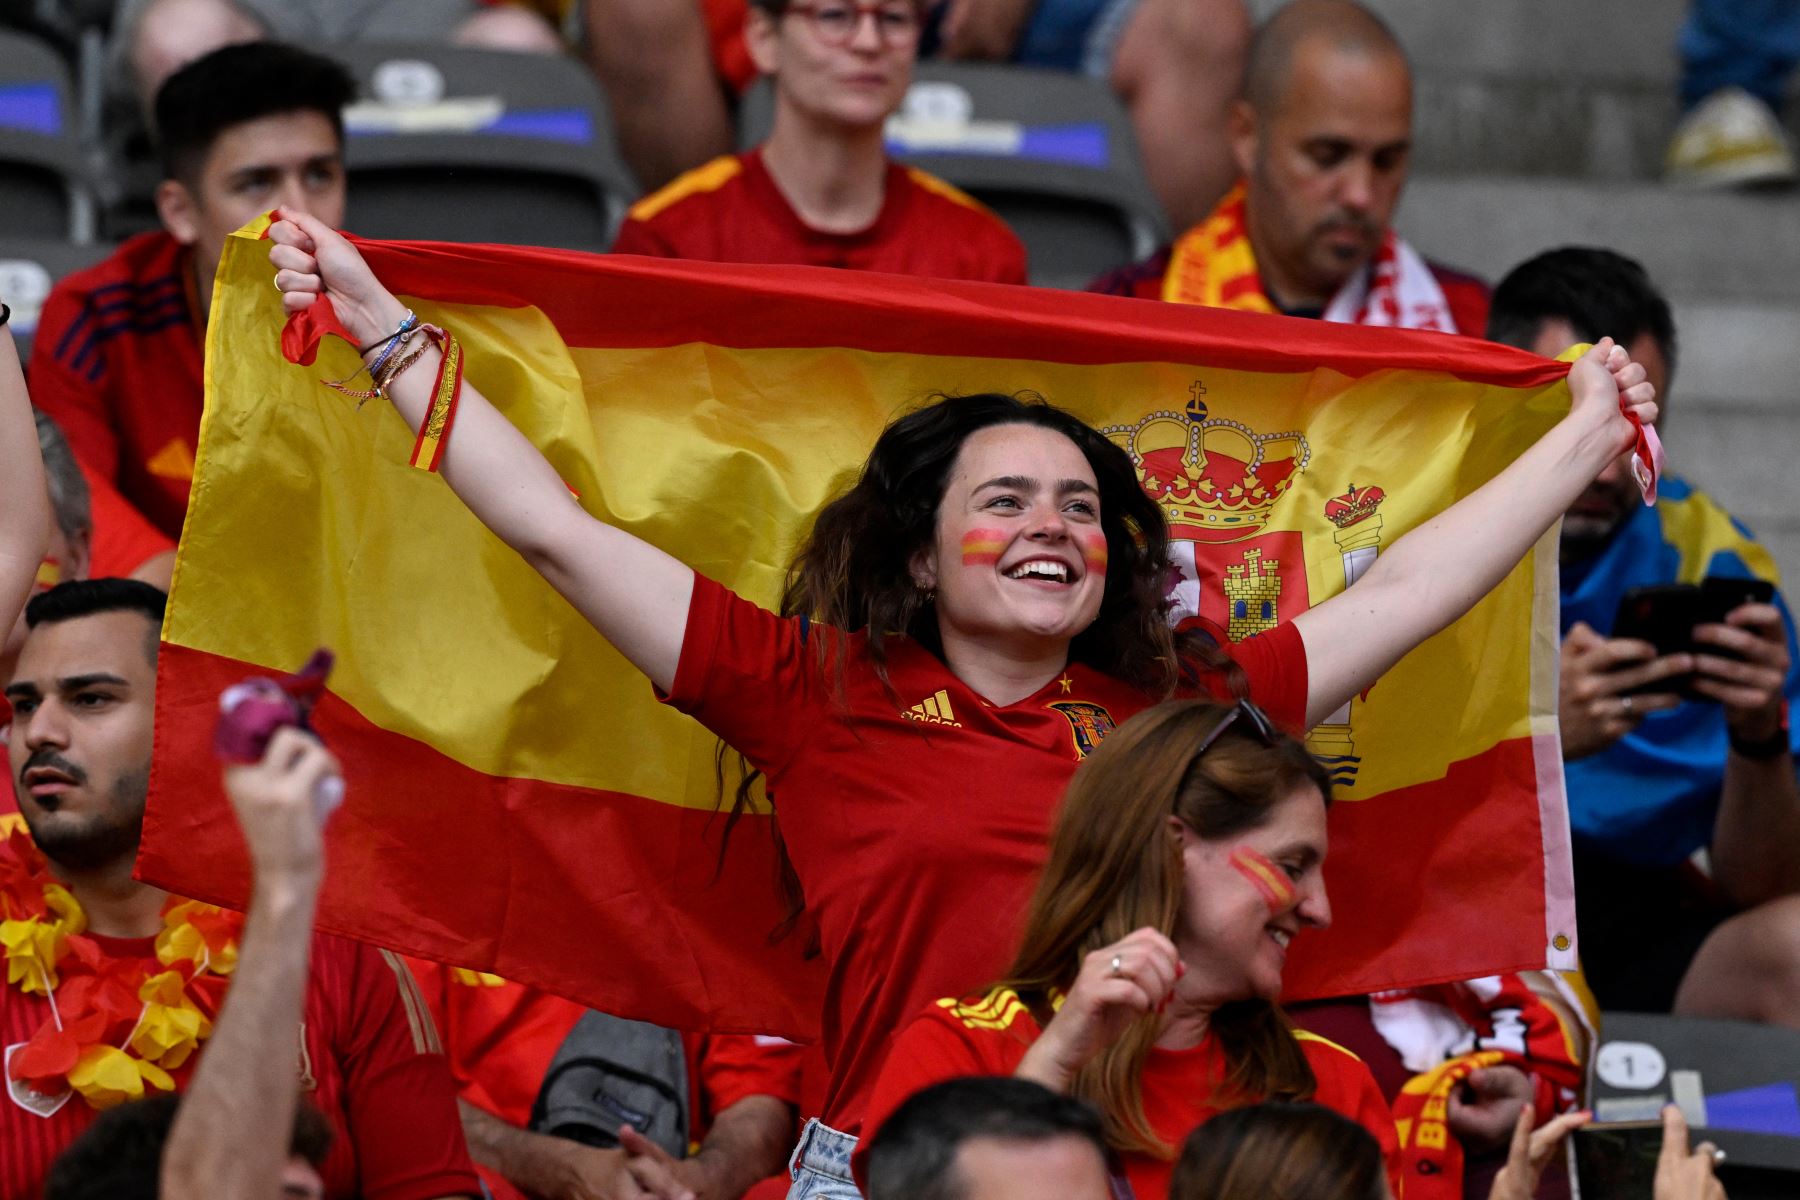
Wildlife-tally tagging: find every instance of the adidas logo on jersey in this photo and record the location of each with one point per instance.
(933, 710)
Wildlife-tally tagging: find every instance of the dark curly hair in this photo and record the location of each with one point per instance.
(854, 570)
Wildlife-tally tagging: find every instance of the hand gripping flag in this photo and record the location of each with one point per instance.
(518, 803)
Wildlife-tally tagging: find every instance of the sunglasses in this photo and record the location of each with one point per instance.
(1257, 719)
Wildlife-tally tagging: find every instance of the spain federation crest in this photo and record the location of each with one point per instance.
(1088, 723)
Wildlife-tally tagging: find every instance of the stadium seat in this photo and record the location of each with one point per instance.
(1735, 1082)
(1052, 153)
(44, 189)
(481, 146)
(29, 267)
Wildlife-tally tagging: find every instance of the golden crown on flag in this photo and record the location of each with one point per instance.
(1216, 479)
(1357, 504)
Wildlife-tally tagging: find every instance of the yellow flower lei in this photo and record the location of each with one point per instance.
(197, 946)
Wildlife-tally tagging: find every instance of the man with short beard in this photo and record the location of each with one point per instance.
(1655, 775)
(1321, 138)
(112, 985)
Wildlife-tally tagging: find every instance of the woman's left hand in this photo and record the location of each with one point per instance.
(1604, 384)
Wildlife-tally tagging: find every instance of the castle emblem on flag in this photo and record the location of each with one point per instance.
(1088, 723)
(1252, 593)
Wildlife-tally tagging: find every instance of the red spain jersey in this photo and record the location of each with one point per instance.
(118, 367)
(919, 825)
(367, 1058)
(122, 540)
(988, 1035)
(730, 210)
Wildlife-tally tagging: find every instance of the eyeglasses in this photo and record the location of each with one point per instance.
(837, 21)
(1258, 720)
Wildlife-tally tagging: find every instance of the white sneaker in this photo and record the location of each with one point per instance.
(1731, 139)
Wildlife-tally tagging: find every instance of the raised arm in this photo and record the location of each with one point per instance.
(1438, 571)
(231, 1135)
(633, 593)
(24, 497)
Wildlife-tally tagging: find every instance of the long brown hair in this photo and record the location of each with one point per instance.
(1294, 1151)
(854, 571)
(1114, 868)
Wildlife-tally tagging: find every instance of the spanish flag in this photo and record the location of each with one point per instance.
(520, 804)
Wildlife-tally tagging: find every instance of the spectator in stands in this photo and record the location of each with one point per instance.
(1654, 777)
(964, 556)
(120, 344)
(1307, 1152)
(1188, 853)
(130, 975)
(1322, 138)
(1296, 1151)
(232, 1137)
(983, 1138)
(1736, 59)
(156, 38)
(120, 1155)
(739, 1095)
(822, 191)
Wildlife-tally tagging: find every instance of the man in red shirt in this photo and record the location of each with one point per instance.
(500, 1037)
(113, 985)
(822, 191)
(242, 130)
(1321, 137)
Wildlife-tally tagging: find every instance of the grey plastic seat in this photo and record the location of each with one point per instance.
(44, 188)
(1051, 152)
(481, 146)
(29, 268)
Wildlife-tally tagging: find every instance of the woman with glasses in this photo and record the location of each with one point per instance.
(960, 628)
(821, 191)
(1187, 856)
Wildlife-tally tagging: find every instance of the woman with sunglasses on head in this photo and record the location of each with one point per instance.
(958, 630)
(1187, 855)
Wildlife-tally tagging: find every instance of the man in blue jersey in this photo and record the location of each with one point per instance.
(1655, 776)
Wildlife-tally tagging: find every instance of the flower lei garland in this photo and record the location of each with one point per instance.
(115, 1027)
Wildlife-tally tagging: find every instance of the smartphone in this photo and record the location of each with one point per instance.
(1665, 616)
(1617, 1160)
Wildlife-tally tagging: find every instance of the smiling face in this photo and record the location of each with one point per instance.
(1245, 896)
(82, 697)
(1019, 555)
(855, 83)
(1325, 167)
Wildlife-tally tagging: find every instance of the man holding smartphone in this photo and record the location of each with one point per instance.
(1677, 750)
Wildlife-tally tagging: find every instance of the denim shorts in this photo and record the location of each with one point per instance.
(820, 1167)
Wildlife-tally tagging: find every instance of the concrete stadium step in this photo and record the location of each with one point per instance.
(1545, 87)
(1720, 245)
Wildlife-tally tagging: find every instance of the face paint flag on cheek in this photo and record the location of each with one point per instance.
(982, 547)
(1093, 553)
(1269, 880)
(49, 574)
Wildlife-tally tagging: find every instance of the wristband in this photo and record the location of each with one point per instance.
(5, 314)
(1773, 746)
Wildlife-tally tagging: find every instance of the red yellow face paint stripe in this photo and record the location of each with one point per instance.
(1270, 881)
(982, 547)
(1093, 553)
(49, 573)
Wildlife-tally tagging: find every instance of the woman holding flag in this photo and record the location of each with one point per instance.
(1013, 549)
